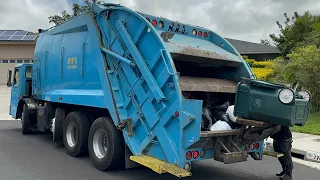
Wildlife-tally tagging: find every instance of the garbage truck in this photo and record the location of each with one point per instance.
(128, 89)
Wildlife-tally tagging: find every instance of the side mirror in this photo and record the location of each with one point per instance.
(9, 83)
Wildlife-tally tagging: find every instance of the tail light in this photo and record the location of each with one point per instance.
(252, 146)
(257, 145)
(176, 114)
(154, 23)
(188, 155)
(205, 35)
(200, 33)
(161, 24)
(195, 154)
(202, 153)
(194, 32)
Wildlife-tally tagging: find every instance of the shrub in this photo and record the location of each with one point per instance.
(263, 64)
(263, 73)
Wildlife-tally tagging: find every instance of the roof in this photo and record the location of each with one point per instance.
(245, 47)
(17, 35)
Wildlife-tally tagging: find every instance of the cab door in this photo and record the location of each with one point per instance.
(15, 92)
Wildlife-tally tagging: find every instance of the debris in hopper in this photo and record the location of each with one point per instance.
(206, 122)
(230, 113)
(220, 126)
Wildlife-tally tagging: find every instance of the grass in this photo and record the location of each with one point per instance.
(311, 127)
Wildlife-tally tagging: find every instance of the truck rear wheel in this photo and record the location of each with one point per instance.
(75, 133)
(106, 145)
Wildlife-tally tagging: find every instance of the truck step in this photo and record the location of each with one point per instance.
(272, 154)
(160, 166)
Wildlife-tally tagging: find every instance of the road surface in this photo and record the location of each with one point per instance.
(34, 157)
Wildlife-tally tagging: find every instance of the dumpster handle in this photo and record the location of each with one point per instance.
(165, 62)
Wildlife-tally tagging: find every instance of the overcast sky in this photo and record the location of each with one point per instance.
(249, 20)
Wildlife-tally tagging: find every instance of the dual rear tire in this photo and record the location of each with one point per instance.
(101, 140)
(106, 145)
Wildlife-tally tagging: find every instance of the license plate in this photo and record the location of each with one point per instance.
(313, 156)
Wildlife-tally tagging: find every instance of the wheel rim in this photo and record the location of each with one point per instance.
(71, 134)
(100, 143)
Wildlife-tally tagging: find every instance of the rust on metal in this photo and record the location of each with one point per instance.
(220, 133)
(252, 123)
(192, 51)
(206, 84)
(166, 36)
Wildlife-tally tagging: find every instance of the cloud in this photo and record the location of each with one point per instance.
(29, 14)
(249, 20)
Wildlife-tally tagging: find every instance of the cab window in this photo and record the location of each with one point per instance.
(29, 72)
(16, 78)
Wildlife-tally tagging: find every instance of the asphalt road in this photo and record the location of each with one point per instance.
(34, 157)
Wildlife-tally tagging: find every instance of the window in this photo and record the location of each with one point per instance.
(4, 61)
(29, 72)
(12, 61)
(19, 61)
(27, 61)
(16, 78)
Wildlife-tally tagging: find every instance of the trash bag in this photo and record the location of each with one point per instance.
(230, 114)
(222, 107)
(220, 126)
(206, 122)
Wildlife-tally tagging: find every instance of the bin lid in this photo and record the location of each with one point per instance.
(261, 83)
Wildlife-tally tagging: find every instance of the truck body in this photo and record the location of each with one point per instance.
(126, 87)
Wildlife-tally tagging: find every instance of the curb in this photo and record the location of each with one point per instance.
(307, 155)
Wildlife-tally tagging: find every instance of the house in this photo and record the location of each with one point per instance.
(16, 46)
(256, 51)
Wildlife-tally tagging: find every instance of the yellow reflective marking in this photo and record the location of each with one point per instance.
(272, 154)
(160, 166)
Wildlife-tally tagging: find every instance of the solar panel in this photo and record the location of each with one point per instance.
(14, 37)
(5, 38)
(21, 33)
(30, 37)
(7, 33)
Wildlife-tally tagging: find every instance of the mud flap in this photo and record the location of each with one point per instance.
(128, 163)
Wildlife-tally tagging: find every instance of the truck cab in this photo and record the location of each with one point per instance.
(20, 80)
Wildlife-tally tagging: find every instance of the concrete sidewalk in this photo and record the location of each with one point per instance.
(305, 145)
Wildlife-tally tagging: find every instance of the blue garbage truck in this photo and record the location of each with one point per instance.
(129, 89)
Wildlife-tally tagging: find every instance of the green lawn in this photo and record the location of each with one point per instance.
(312, 126)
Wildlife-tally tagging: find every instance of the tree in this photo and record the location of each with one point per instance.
(303, 69)
(297, 31)
(265, 42)
(77, 10)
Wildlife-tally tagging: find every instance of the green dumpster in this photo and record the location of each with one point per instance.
(269, 102)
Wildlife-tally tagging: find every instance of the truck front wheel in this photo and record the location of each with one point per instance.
(75, 133)
(106, 145)
(25, 120)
